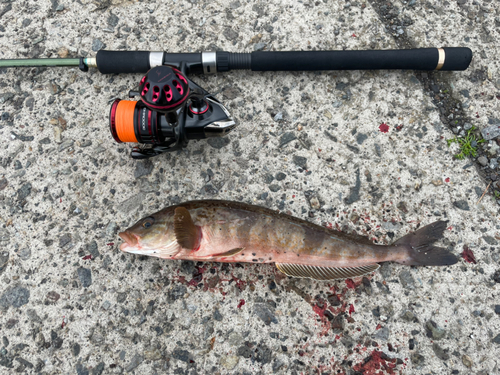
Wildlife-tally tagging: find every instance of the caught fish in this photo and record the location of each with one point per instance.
(224, 231)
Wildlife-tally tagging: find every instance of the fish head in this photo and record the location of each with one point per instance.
(153, 235)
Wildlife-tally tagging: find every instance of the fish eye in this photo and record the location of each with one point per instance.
(148, 222)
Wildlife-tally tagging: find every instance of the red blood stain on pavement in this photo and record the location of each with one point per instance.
(319, 309)
(193, 282)
(241, 303)
(211, 283)
(87, 257)
(351, 309)
(350, 284)
(197, 276)
(468, 255)
(384, 128)
(180, 279)
(240, 284)
(376, 363)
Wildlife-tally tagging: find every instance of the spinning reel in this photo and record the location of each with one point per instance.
(172, 110)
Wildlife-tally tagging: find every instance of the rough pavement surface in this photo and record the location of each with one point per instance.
(364, 152)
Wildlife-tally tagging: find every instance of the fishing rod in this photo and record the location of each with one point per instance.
(172, 109)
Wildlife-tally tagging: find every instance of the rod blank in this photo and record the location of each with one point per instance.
(11, 63)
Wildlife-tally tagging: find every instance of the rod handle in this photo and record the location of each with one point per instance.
(448, 58)
(109, 62)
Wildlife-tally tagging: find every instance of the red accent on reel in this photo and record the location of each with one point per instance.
(164, 89)
(182, 78)
(168, 92)
(112, 121)
(200, 112)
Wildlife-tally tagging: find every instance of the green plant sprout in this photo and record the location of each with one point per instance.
(465, 143)
(497, 194)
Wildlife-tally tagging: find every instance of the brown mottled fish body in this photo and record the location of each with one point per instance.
(227, 231)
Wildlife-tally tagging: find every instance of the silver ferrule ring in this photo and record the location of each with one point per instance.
(155, 59)
(209, 61)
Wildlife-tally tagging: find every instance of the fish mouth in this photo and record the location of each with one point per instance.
(129, 238)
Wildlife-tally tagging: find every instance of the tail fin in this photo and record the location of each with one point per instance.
(420, 250)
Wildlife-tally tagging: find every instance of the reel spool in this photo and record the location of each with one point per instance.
(172, 110)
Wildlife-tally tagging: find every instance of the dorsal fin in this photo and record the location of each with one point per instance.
(187, 234)
(325, 273)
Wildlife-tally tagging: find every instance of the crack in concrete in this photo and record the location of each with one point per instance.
(435, 84)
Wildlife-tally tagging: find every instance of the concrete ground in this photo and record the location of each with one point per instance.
(310, 144)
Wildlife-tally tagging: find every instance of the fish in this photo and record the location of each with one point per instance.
(227, 231)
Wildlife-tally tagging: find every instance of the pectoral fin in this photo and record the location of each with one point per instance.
(324, 273)
(187, 234)
(229, 253)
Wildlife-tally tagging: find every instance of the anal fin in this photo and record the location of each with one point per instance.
(325, 273)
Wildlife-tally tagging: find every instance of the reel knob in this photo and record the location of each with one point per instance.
(164, 89)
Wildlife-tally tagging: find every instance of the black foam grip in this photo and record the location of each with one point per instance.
(223, 61)
(227, 61)
(109, 62)
(457, 58)
(417, 59)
